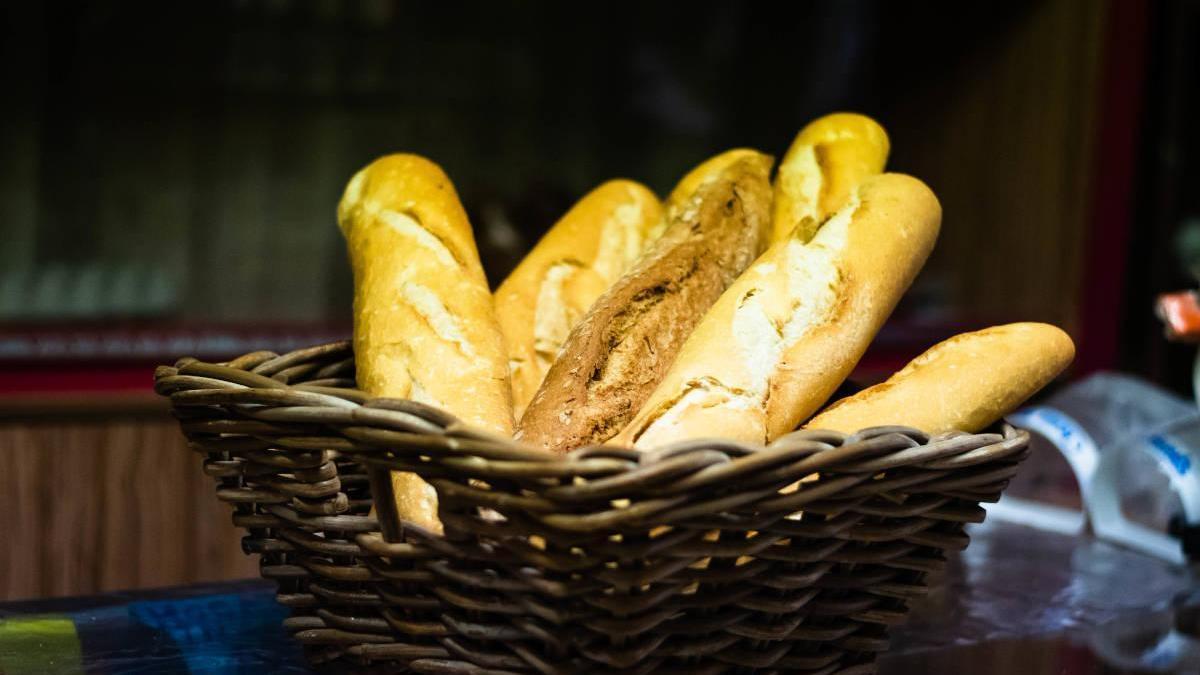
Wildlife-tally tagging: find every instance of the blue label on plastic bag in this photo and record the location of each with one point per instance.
(1175, 457)
(1066, 434)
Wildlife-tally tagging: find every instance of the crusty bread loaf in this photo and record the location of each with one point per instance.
(965, 383)
(424, 325)
(783, 337)
(616, 355)
(826, 161)
(683, 195)
(596, 242)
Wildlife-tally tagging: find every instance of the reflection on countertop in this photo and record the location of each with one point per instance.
(1019, 600)
(1024, 600)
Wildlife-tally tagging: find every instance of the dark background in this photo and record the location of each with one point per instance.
(171, 168)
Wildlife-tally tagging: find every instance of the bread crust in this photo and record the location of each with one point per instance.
(786, 334)
(424, 325)
(615, 356)
(825, 162)
(684, 193)
(965, 383)
(585, 252)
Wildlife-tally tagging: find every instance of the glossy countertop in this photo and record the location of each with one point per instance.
(1017, 600)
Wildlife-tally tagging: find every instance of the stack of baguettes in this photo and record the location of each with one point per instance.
(733, 309)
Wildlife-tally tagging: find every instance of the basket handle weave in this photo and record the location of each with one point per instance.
(385, 504)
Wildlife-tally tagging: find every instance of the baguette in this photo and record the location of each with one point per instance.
(826, 161)
(615, 356)
(424, 326)
(965, 383)
(578, 259)
(684, 194)
(785, 335)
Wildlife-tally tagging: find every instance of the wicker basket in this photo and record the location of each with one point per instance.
(702, 557)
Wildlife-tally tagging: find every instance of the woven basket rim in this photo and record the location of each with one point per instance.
(258, 387)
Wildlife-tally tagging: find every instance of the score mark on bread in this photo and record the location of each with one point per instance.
(822, 167)
(429, 307)
(406, 225)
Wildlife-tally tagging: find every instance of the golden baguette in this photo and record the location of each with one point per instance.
(424, 325)
(826, 161)
(783, 337)
(965, 383)
(585, 252)
(615, 356)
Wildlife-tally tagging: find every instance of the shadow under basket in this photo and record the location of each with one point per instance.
(700, 557)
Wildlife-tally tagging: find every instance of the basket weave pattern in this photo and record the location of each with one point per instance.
(704, 556)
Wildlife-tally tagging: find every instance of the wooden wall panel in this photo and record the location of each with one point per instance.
(96, 506)
(1006, 140)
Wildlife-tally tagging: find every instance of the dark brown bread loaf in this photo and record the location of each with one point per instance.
(617, 354)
